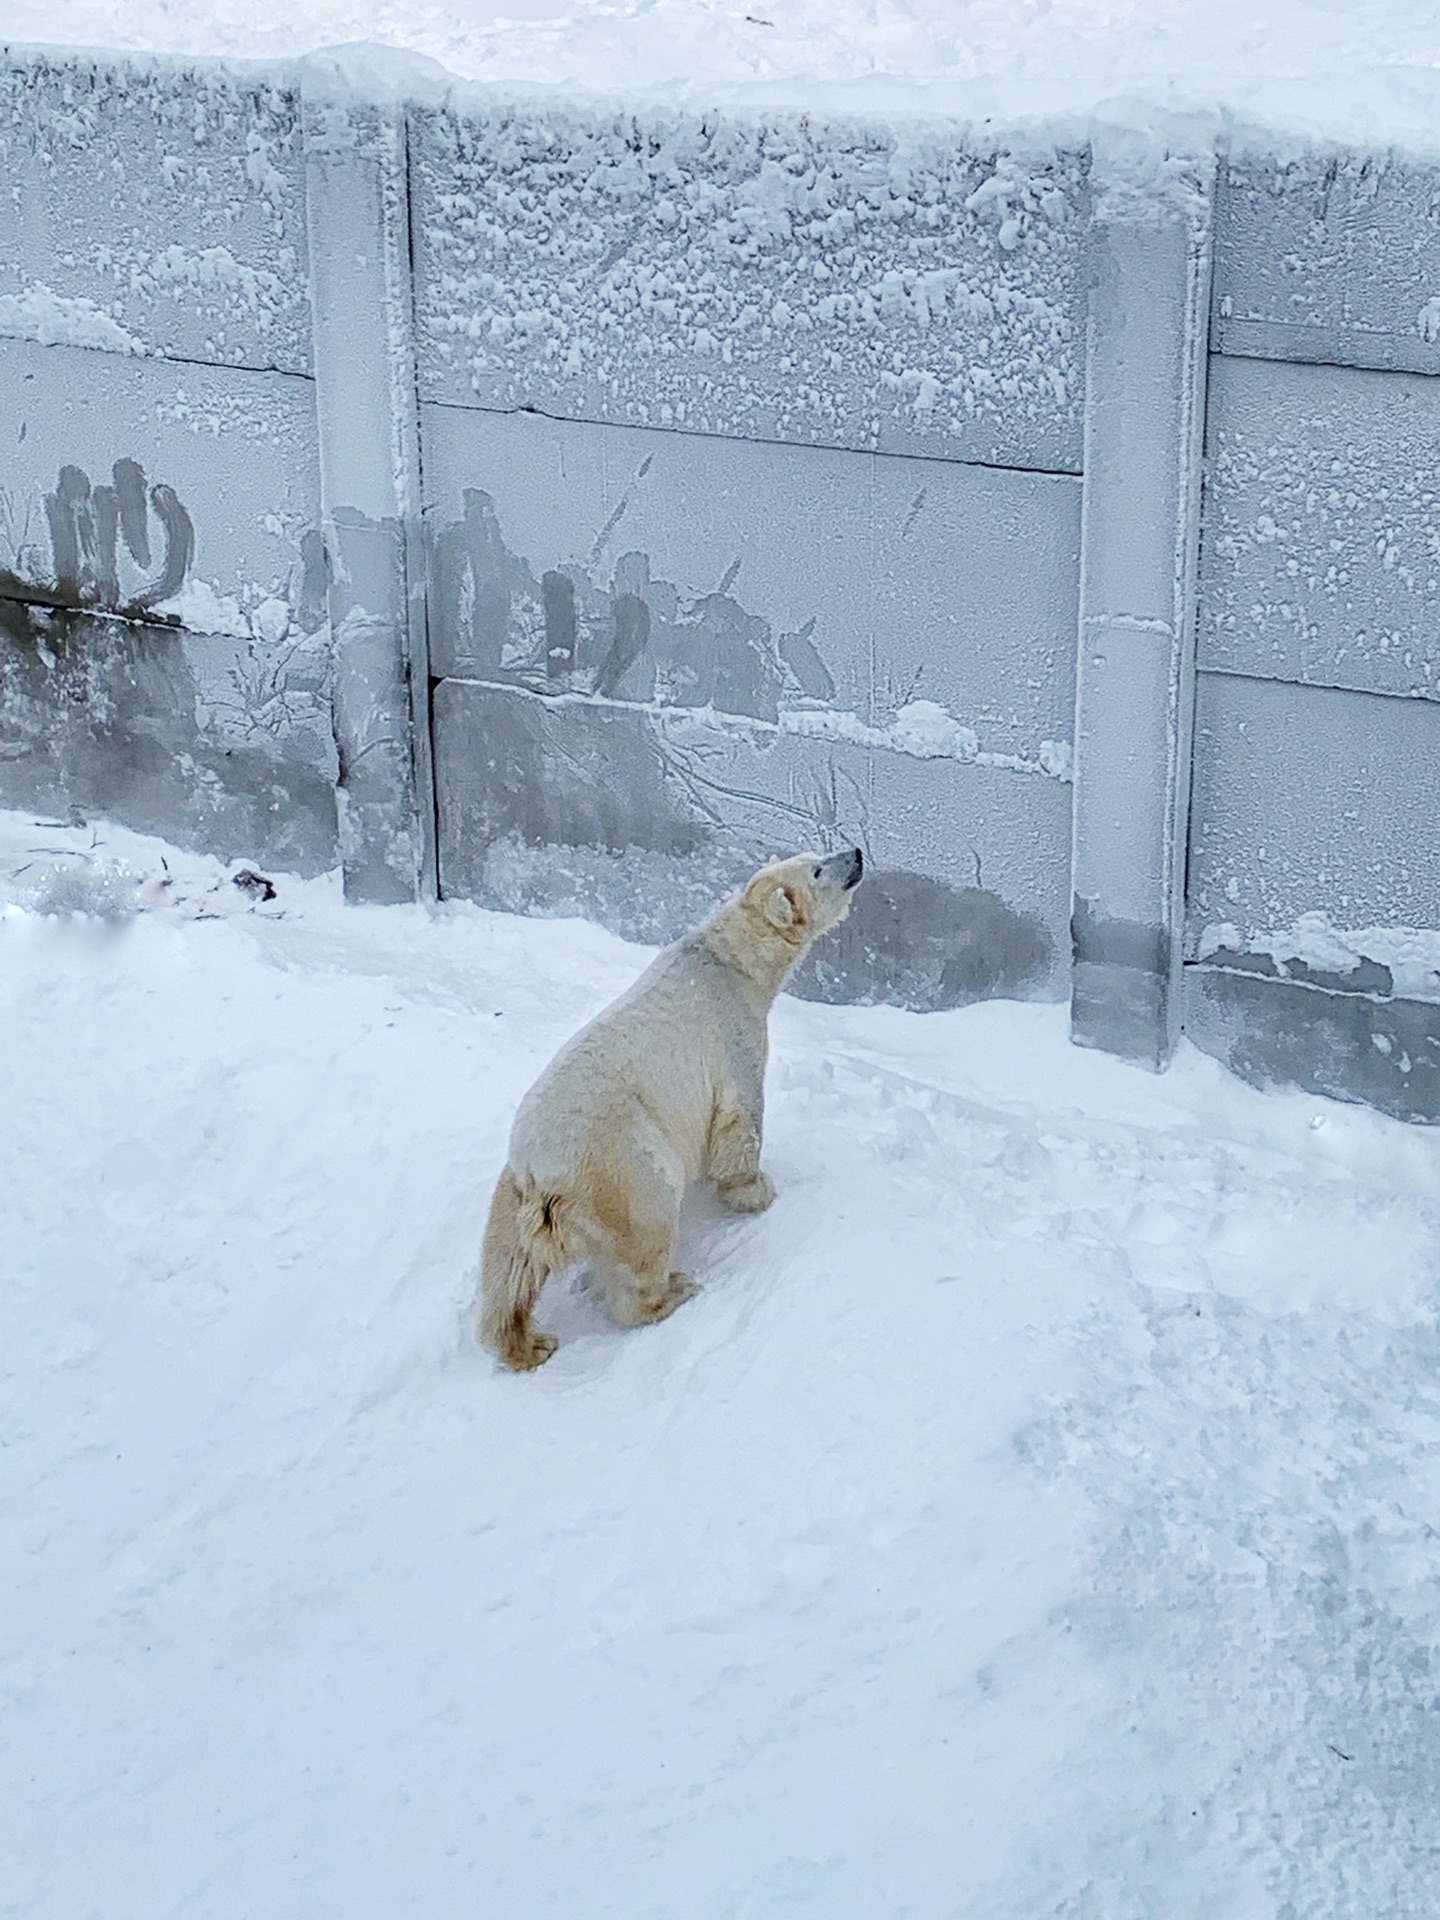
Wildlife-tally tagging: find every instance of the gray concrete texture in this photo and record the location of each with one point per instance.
(1307, 798)
(771, 468)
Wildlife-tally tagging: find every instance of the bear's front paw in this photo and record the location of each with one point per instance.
(749, 1196)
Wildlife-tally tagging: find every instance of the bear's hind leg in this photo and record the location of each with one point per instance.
(636, 1222)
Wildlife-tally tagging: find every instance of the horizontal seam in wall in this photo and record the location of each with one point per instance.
(1319, 686)
(120, 616)
(1311, 986)
(1337, 366)
(758, 440)
(166, 359)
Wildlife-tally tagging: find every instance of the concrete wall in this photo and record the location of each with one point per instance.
(1314, 889)
(164, 650)
(751, 481)
(566, 509)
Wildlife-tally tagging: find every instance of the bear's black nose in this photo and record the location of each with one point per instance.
(857, 867)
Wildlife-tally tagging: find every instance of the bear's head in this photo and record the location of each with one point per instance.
(784, 909)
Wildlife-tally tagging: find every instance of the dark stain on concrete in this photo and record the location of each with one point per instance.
(1352, 1046)
(1122, 988)
(1103, 940)
(913, 941)
(1369, 976)
(87, 528)
(557, 593)
(565, 775)
(600, 821)
(559, 781)
(802, 657)
(631, 640)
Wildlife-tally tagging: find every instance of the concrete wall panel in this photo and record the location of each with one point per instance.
(153, 209)
(1329, 258)
(846, 586)
(1311, 800)
(1321, 553)
(777, 279)
(212, 518)
(646, 818)
(670, 656)
(1352, 1046)
(164, 653)
(173, 733)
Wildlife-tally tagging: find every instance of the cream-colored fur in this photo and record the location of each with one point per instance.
(663, 1088)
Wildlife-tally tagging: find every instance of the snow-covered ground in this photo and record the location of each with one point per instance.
(1035, 1514)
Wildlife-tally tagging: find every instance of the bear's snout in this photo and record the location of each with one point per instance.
(843, 870)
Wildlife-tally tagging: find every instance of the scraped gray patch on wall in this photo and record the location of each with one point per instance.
(101, 550)
(630, 638)
(910, 941)
(913, 941)
(110, 702)
(102, 714)
(1286, 1032)
(650, 897)
(559, 789)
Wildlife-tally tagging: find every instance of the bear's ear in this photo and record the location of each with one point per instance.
(780, 909)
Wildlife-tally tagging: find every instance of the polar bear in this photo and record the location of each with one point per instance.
(663, 1088)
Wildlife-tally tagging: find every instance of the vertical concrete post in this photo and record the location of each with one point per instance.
(1144, 435)
(366, 401)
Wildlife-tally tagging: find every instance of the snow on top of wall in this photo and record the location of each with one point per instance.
(55, 320)
(925, 730)
(1365, 73)
(756, 274)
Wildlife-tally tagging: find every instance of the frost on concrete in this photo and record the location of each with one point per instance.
(1329, 256)
(634, 641)
(772, 278)
(1308, 799)
(924, 730)
(1321, 555)
(171, 198)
